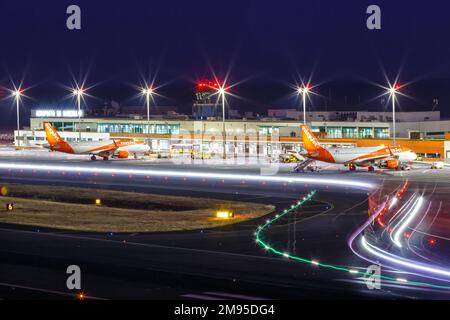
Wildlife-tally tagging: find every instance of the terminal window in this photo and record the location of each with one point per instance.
(350, 132)
(334, 132)
(365, 133)
(265, 131)
(139, 128)
(381, 133)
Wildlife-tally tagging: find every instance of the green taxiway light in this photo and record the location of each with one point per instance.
(277, 252)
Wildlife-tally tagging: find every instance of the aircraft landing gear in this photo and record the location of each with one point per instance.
(352, 167)
(371, 169)
(93, 158)
(105, 158)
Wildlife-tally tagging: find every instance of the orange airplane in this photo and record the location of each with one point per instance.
(105, 149)
(393, 157)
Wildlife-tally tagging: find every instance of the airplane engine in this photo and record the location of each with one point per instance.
(123, 154)
(392, 163)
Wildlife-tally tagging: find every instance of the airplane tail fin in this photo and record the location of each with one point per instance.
(53, 138)
(310, 142)
(55, 142)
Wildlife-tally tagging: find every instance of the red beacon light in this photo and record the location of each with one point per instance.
(205, 85)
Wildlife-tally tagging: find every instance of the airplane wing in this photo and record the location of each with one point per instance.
(105, 149)
(370, 158)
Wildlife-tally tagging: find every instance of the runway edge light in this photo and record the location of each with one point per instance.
(10, 206)
(224, 214)
(4, 191)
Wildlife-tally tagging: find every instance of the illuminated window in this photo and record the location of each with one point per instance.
(349, 132)
(381, 133)
(334, 132)
(433, 155)
(265, 131)
(139, 128)
(364, 133)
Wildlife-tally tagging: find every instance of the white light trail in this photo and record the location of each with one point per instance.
(403, 208)
(398, 216)
(411, 215)
(405, 262)
(393, 202)
(187, 174)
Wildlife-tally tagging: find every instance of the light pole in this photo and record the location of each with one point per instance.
(222, 92)
(304, 90)
(393, 91)
(78, 93)
(17, 93)
(148, 92)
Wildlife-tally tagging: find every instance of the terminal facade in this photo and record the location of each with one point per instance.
(423, 132)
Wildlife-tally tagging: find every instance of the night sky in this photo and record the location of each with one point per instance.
(264, 44)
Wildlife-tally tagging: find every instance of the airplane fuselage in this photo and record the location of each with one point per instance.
(96, 147)
(369, 154)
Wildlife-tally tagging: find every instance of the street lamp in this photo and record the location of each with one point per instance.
(221, 91)
(78, 93)
(304, 90)
(17, 93)
(393, 90)
(148, 92)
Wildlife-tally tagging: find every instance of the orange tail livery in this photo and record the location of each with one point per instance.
(55, 141)
(313, 147)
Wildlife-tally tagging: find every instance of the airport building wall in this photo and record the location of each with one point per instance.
(430, 143)
(358, 116)
(172, 126)
(423, 129)
(36, 138)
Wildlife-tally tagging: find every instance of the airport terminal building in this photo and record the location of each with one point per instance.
(424, 132)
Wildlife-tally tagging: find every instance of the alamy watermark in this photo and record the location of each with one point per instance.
(373, 277)
(212, 146)
(374, 20)
(74, 279)
(73, 21)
